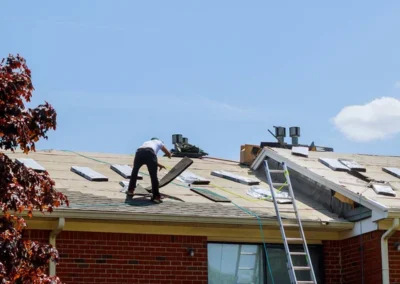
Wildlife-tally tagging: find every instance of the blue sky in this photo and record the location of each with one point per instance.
(219, 72)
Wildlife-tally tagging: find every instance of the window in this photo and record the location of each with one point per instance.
(245, 264)
(235, 263)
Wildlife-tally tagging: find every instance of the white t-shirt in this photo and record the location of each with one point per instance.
(156, 145)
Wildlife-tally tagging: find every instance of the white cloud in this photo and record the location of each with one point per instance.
(376, 120)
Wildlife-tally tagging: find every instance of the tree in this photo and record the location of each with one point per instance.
(21, 188)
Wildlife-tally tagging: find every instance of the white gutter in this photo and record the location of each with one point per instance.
(385, 251)
(132, 216)
(52, 241)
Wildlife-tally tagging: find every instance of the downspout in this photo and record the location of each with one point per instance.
(52, 241)
(385, 251)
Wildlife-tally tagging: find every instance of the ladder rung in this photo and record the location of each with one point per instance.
(279, 184)
(276, 171)
(305, 282)
(248, 253)
(297, 253)
(290, 225)
(294, 239)
(246, 268)
(301, 268)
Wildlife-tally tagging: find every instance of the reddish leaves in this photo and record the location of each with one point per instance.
(19, 126)
(22, 189)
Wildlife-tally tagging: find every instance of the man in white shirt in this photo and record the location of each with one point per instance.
(147, 155)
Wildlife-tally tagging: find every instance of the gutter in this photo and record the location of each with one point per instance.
(131, 216)
(52, 241)
(385, 251)
(371, 204)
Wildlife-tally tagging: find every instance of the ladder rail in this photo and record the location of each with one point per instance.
(290, 262)
(308, 256)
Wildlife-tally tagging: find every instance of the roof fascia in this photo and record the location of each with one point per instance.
(127, 216)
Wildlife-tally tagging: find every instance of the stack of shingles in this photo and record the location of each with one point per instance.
(357, 170)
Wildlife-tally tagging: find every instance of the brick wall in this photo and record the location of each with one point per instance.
(359, 258)
(128, 258)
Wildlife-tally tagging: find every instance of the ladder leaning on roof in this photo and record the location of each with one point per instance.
(289, 254)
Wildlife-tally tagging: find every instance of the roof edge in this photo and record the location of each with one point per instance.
(329, 184)
(122, 216)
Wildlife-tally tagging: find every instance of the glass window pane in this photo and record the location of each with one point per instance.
(234, 263)
(278, 262)
(247, 261)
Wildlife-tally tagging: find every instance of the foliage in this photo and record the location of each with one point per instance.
(22, 189)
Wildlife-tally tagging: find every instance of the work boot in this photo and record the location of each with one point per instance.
(157, 199)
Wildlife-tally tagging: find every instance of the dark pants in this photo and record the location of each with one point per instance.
(145, 156)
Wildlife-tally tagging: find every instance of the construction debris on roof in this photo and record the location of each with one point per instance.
(88, 173)
(392, 171)
(334, 164)
(300, 151)
(30, 163)
(210, 195)
(383, 189)
(265, 194)
(191, 178)
(124, 170)
(236, 178)
(353, 165)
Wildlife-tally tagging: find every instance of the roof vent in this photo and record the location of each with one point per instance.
(184, 149)
(294, 132)
(177, 138)
(280, 133)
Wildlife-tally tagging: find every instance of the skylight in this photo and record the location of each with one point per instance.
(88, 173)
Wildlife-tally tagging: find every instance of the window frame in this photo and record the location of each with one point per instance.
(318, 247)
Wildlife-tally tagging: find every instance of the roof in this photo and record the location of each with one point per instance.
(102, 197)
(342, 182)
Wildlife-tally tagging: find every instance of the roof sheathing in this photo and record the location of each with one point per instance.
(94, 197)
(342, 182)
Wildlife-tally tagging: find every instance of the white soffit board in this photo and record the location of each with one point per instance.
(124, 170)
(383, 189)
(300, 151)
(88, 173)
(189, 177)
(392, 171)
(236, 178)
(31, 163)
(353, 165)
(334, 164)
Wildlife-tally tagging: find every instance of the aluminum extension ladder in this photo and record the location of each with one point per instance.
(289, 254)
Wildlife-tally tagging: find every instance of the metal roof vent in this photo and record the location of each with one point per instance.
(294, 132)
(177, 138)
(280, 133)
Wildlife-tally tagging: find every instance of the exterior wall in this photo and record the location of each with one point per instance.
(128, 258)
(358, 259)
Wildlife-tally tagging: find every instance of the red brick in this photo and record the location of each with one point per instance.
(345, 262)
(130, 258)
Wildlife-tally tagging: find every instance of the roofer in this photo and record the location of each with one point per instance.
(147, 155)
